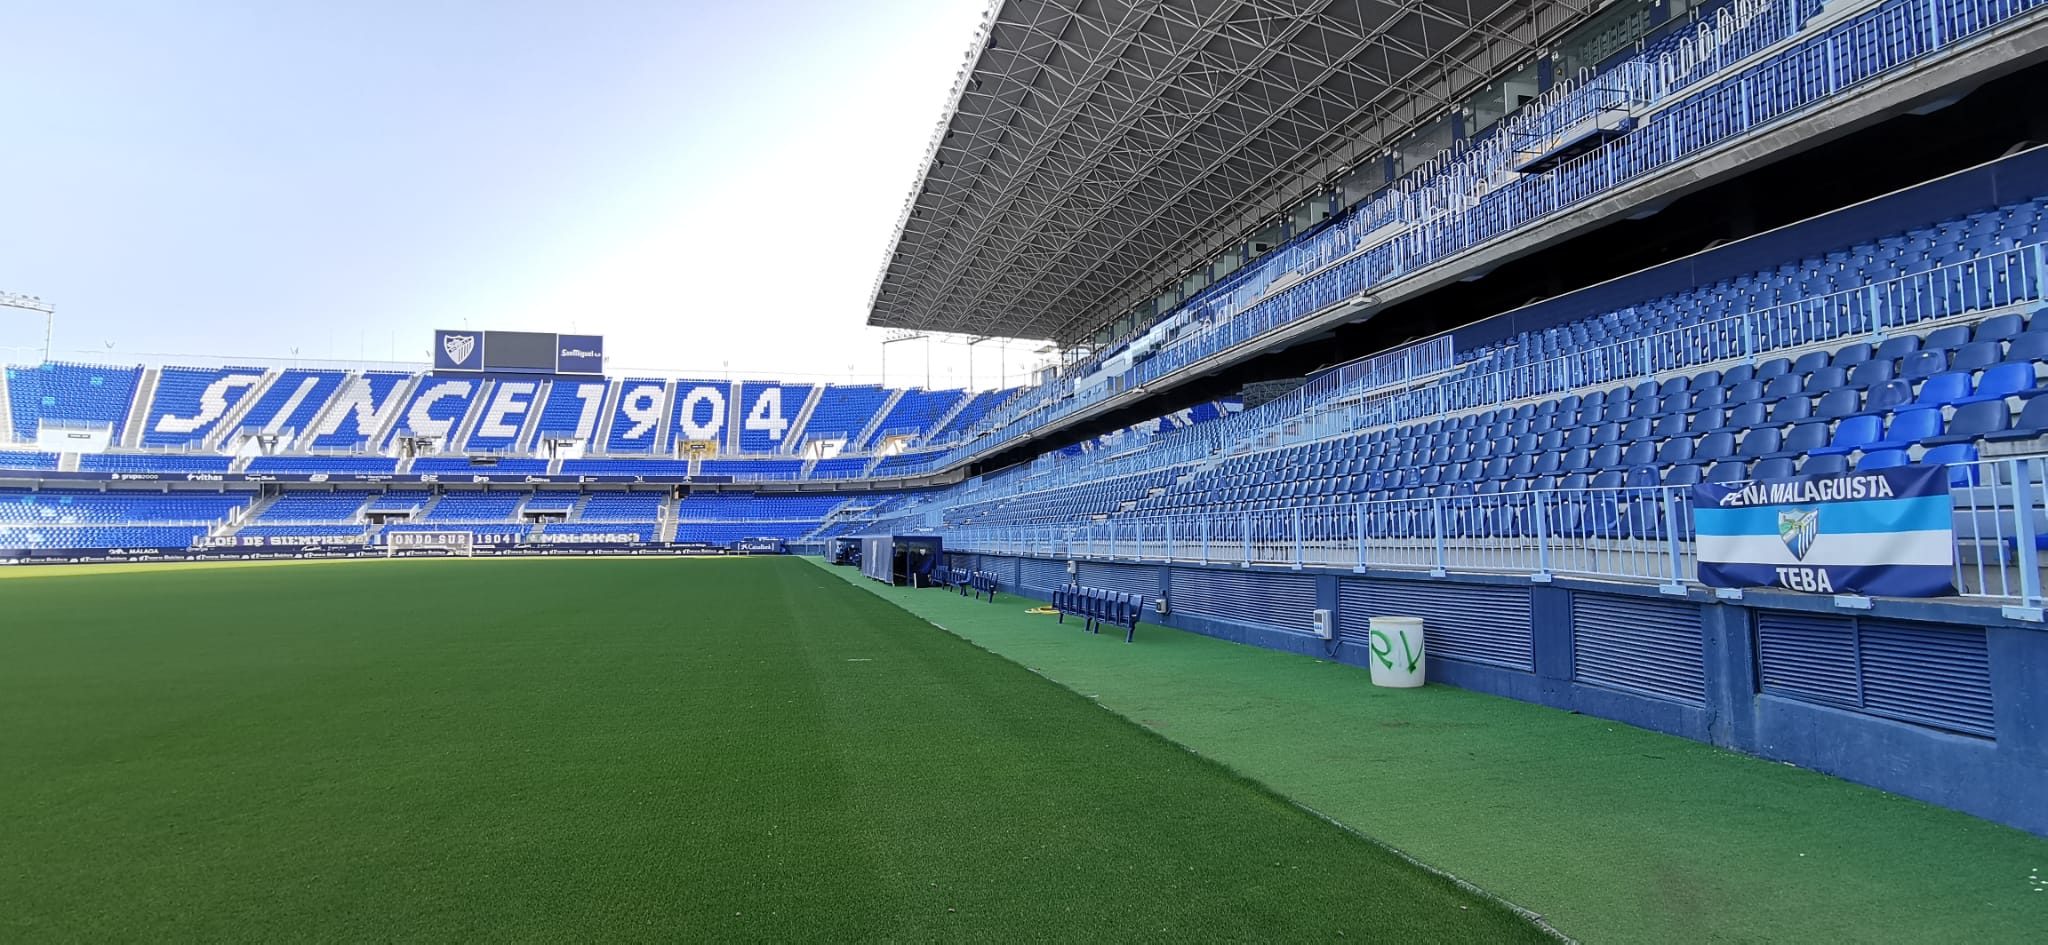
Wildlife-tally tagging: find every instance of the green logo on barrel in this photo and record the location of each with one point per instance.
(1383, 649)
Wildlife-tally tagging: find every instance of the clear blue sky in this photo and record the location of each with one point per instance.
(701, 182)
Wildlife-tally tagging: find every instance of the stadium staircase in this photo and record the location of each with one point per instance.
(734, 419)
(665, 522)
(403, 393)
(6, 412)
(524, 442)
(426, 508)
(302, 440)
(67, 462)
(138, 410)
(555, 466)
(859, 442)
(809, 464)
(794, 436)
(231, 422)
(665, 428)
(478, 406)
(952, 413)
(240, 517)
(603, 436)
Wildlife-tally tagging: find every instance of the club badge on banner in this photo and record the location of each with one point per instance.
(1886, 532)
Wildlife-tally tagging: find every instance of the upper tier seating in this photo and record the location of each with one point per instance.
(189, 404)
(915, 413)
(766, 424)
(79, 395)
(18, 459)
(964, 421)
(292, 401)
(845, 411)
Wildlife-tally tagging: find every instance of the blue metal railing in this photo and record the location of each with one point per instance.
(1638, 534)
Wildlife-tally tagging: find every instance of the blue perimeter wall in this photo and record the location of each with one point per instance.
(1939, 701)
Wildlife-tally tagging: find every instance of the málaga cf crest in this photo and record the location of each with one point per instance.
(1798, 528)
(458, 346)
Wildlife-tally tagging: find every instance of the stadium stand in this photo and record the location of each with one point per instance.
(474, 507)
(70, 395)
(482, 466)
(161, 463)
(188, 404)
(846, 413)
(292, 402)
(18, 459)
(313, 507)
(573, 411)
(1524, 480)
(913, 415)
(322, 464)
(771, 410)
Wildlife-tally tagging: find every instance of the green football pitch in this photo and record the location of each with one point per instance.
(616, 750)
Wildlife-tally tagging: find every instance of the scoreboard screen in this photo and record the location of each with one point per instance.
(518, 352)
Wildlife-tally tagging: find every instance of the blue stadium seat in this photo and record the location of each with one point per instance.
(1827, 465)
(1851, 434)
(2001, 381)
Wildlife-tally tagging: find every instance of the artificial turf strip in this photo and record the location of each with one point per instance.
(614, 750)
(1612, 833)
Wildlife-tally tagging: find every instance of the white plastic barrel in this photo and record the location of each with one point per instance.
(1397, 659)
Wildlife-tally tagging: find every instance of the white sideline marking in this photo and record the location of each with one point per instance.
(863, 659)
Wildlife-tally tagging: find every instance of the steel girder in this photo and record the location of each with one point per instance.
(1094, 147)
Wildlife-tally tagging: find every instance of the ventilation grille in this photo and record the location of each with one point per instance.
(1472, 622)
(1642, 646)
(1935, 676)
(1274, 600)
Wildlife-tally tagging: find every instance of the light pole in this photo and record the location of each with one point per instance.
(30, 303)
(904, 335)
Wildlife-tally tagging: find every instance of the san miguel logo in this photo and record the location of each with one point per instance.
(458, 347)
(1798, 528)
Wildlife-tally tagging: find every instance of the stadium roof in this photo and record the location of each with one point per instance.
(1093, 148)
